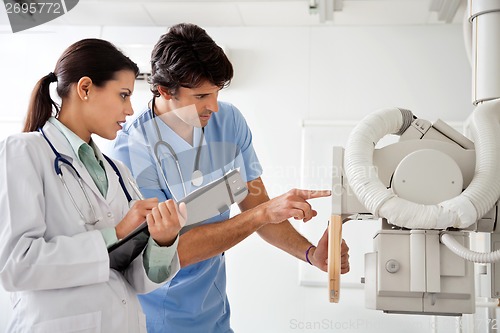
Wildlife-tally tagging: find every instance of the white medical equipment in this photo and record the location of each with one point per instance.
(197, 176)
(431, 190)
(60, 161)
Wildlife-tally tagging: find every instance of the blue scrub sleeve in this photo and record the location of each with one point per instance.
(251, 166)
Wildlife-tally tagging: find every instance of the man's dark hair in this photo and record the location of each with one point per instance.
(185, 57)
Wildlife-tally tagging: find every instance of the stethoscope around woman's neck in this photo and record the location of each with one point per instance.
(197, 175)
(60, 161)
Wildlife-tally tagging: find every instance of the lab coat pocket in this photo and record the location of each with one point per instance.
(84, 323)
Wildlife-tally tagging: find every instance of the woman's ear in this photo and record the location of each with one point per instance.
(83, 87)
(164, 93)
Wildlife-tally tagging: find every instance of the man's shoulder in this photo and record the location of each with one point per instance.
(136, 121)
(226, 106)
(228, 111)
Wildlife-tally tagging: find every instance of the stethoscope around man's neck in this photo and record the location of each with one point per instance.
(197, 175)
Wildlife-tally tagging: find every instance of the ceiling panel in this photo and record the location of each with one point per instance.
(202, 13)
(107, 13)
(287, 13)
(209, 13)
(382, 12)
(206, 1)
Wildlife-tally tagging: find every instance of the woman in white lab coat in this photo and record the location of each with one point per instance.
(53, 240)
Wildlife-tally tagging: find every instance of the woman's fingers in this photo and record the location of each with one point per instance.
(165, 222)
(182, 212)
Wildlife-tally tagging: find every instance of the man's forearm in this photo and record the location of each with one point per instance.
(268, 217)
(285, 237)
(209, 240)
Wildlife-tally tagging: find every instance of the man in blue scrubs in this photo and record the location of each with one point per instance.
(186, 138)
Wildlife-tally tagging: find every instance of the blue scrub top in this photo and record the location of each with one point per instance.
(195, 299)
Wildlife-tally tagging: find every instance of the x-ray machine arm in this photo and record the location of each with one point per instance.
(431, 189)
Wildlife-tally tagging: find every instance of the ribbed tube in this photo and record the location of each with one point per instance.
(358, 159)
(484, 190)
(478, 257)
(461, 211)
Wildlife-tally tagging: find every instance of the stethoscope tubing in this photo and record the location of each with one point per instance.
(176, 160)
(60, 161)
(161, 142)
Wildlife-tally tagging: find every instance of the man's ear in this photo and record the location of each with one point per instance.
(83, 88)
(164, 93)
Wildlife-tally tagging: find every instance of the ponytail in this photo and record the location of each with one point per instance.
(96, 58)
(41, 104)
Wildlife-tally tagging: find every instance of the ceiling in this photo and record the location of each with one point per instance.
(233, 13)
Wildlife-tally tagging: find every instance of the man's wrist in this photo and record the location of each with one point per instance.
(309, 253)
(258, 218)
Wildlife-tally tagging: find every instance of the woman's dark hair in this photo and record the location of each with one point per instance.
(185, 57)
(96, 58)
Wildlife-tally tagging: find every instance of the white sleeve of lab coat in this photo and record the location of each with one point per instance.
(137, 276)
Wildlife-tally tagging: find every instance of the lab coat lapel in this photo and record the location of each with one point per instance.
(59, 141)
(62, 145)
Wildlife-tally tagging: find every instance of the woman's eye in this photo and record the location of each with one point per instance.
(124, 95)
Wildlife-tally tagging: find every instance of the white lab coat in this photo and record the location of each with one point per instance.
(55, 266)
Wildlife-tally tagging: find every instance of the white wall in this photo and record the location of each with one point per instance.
(283, 76)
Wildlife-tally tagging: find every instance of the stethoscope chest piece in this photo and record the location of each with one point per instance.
(197, 175)
(197, 178)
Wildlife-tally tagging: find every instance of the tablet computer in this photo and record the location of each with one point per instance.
(203, 203)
